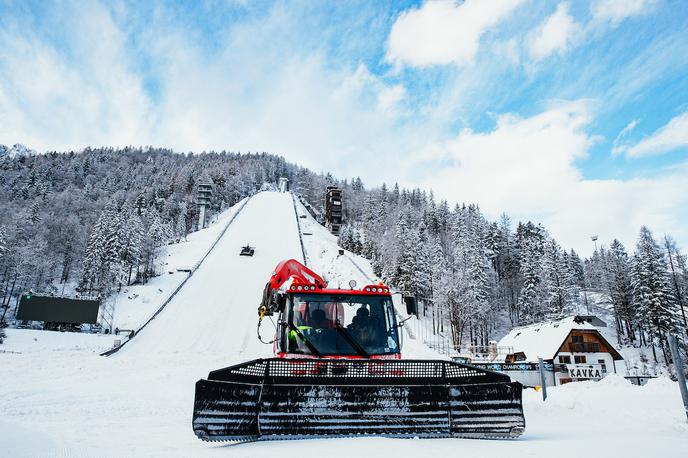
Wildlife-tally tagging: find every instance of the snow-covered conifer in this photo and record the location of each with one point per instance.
(618, 281)
(651, 290)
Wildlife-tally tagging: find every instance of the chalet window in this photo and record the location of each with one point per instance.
(577, 339)
(602, 364)
(564, 359)
(579, 359)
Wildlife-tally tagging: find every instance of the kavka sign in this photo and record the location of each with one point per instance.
(583, 371)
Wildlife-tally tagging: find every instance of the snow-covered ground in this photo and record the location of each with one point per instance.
(141, 406)
(139, 402)
(35, 341)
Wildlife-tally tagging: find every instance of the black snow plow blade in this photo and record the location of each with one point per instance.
(301, 398)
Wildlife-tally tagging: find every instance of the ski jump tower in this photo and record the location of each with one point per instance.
(204, 192)
(333, 209)
(283, 184)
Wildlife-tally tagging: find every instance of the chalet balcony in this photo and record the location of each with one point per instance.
(586, 347)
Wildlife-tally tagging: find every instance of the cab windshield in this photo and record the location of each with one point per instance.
(341, 325)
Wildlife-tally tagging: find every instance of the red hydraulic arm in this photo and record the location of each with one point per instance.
(289, 268)
(293, 268)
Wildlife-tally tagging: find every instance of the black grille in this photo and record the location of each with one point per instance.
(390, 372)
(344, 398)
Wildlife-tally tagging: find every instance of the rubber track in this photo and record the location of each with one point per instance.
(114, 350)
(271, 438)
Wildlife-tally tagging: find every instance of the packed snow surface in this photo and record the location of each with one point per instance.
(35, 341)
(139, 402)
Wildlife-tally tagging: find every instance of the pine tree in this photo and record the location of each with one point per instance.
(404, 273)
(423, 266)
(595, 268)
(181, 227)
(344, 238)
(438, 268)
(652, 295)
(620, 289)
(679, 282)
(508, 268)
(576, 269)
(530, 300)
(3, 242)
(100, 253)
(35, 213)
(558, 283)
(131, 237)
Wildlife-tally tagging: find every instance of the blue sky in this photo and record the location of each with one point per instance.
(570, 113)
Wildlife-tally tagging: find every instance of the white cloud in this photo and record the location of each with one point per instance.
(261, 94)
(527, 168)
(618, 147)
(615, 11)
(444, 32)
(554, 34)
(48, 102)
(667, 138)
(390, 97)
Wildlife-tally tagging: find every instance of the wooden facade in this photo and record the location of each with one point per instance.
(587, 341)
(587, 355)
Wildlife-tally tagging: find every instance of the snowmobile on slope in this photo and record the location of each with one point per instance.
(247, 250)
(338, 372)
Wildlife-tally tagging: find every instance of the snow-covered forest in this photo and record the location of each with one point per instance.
(479, 276)
(90, 222)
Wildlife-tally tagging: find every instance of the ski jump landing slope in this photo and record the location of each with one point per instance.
(216, 311)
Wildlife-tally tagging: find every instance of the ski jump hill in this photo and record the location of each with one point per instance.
(216, 310)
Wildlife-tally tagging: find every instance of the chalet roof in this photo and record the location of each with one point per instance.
(546, 338)
(592, 319)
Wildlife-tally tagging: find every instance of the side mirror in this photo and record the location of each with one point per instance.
(411, 305)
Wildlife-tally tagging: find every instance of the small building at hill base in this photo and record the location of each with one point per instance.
(573, 349)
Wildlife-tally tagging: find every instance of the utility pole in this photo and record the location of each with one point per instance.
(585, 293)
(543, 381)
(680, 374)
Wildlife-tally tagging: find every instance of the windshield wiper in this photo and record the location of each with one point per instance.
(308, 343)
(359, 349)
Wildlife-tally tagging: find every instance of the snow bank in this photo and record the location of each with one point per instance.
(22, 442)
(612, 416)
